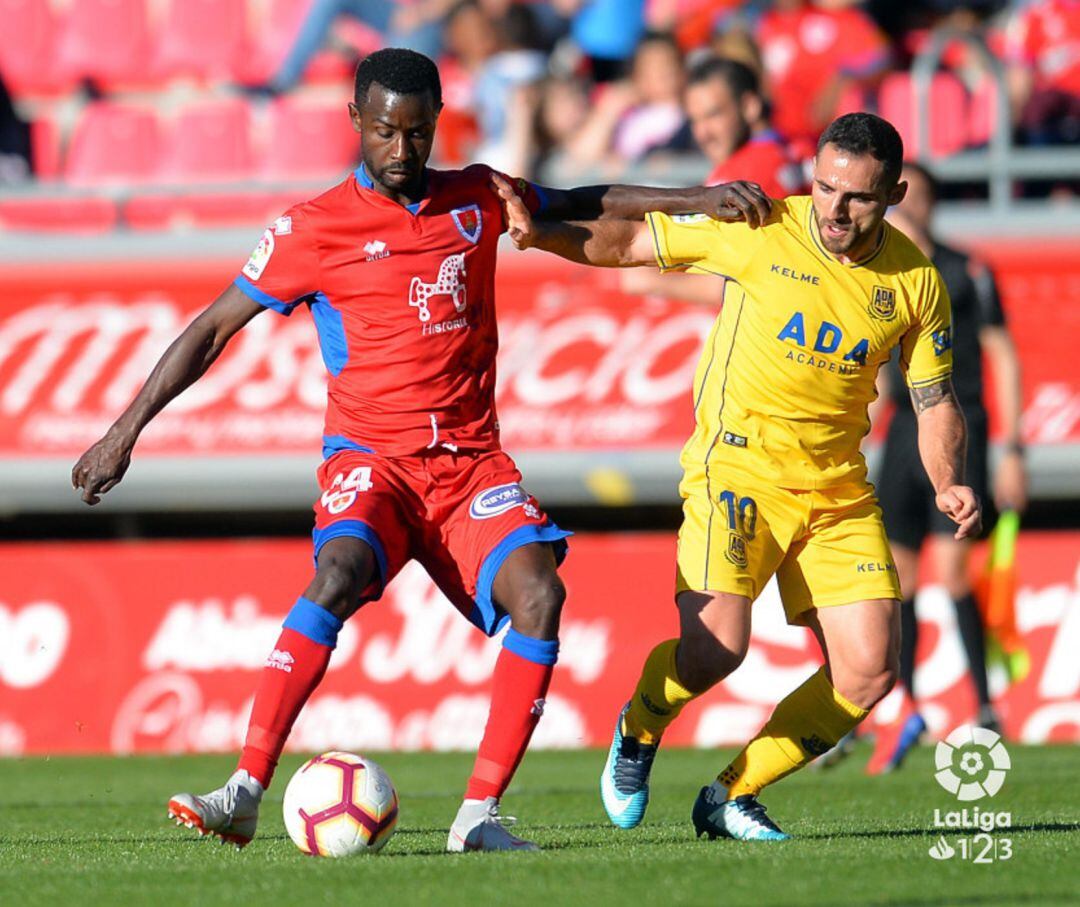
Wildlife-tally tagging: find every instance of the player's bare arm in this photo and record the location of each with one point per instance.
(183, 363)
(737, 200)
(609, 243)
(943, 446)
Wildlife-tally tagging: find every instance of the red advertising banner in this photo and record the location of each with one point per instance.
(156, 647)
(582, 366)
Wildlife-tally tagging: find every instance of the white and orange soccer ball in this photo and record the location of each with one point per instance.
(340, 804)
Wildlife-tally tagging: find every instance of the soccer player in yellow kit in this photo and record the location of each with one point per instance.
(819, 290)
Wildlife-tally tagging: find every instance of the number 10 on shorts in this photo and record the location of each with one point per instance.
(741, 514)
(341, 494)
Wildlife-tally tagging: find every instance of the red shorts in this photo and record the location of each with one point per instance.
(458, 514)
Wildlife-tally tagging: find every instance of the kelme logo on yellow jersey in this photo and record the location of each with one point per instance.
(882, 303)
(736, 550)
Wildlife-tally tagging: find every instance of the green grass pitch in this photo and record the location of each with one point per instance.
(86, 831)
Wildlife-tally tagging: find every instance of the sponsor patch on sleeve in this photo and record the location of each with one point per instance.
(283, 226)
(690, 218)
(261, 256)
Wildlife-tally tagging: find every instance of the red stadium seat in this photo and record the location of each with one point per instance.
(204, 38)
(276, 37)
(62, 215)
(45, 148)
(210, 142)
(948, 111)
(983, 117)
(310, 141)
(107, 41)
(206, 211)
(27, 46)
(113, 143)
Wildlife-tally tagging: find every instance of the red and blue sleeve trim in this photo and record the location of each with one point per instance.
(263, 298)
(487, 615)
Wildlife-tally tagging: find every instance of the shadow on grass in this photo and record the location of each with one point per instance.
(926, 831)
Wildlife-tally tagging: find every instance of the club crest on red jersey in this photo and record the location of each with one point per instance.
(469, 222)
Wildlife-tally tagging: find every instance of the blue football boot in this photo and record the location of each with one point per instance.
(743, 818)
(624, 784)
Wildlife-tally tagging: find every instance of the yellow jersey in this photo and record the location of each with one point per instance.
(788, 369)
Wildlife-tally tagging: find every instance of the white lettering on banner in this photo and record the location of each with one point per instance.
(209, 635)
(1061, 673)
(1053, 413)
(12, 738)
(1050, 717)
(33, 640)
(729, 725)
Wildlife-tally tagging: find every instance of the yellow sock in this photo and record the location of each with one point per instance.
(807, 722)
(659, 696)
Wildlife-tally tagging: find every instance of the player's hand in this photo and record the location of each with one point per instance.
(961, 505)
(519, 222)
(101, 468)
(1010, 483)
(738, 201)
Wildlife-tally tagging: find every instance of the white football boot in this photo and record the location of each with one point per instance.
(230, 812)
(478, 826)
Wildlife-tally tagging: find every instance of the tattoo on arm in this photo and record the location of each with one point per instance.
(930, 395)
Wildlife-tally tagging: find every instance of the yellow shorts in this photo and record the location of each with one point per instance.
(826, 547)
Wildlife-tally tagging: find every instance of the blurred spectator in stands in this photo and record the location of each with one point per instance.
(572, 135)
(506, 79)
(605, 31)
(1043, 52)
(818, 54)
(14, 142)
(692, 22)
(416, 25)
(728, 116)
(653, 120)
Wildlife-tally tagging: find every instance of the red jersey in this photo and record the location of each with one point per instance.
(403, 299)
(763, 160)
(1046, 37)
(804, 49)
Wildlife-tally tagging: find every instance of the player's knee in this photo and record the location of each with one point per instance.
(537, 606)
(339, 580)
(703, 661)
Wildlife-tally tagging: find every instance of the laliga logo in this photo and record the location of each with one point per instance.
(971, 763)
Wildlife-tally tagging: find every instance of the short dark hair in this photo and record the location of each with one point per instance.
(739, 77)
(400, 71)
(865, 133)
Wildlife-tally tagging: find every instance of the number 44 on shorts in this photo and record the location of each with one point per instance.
(341, 494)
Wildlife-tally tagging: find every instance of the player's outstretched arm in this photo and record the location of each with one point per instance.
(943, 447)
(606, 243)
(735, 201)
(183, 363)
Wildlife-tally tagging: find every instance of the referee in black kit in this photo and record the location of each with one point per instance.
(905, 493)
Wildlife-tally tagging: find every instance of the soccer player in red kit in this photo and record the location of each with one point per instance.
(397, 266)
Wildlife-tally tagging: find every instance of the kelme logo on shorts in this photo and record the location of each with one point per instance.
(493, 501)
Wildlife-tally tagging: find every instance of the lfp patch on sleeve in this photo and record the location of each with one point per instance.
(261, 256)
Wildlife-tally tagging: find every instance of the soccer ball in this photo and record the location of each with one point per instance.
(339, 804)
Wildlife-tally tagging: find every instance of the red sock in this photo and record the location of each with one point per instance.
(292, 672)
(517, 701)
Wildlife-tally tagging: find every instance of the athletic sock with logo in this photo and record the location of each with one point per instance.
(808, 722)
(659, 696)
(292, 672)
(520, 683)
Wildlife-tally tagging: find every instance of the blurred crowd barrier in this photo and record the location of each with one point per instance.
(124, 648)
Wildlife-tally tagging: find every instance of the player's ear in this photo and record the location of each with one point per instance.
(752, 107)
(897, 194)
(354, 115)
